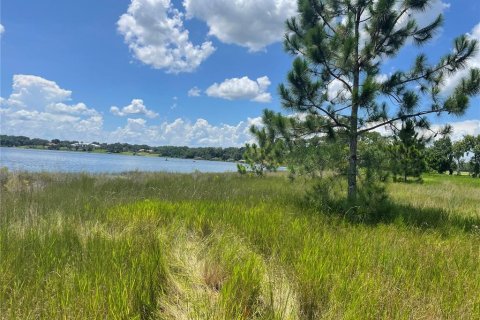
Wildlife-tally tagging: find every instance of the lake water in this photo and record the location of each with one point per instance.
(16, 159)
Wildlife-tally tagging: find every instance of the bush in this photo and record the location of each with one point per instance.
(241, 169)
(371, 205)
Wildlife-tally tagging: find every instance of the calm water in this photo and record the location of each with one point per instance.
(67, 161)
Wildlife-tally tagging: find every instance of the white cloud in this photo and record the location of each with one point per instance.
(241, 88)
(194, 92)
(452, 81)
(380, 78)
(154, 32)
(2, 29)
(76, 109)
(462, 128)
(136, 107)
(36, 92)
(337, 91)
(38, 107)
(181, 132)
(459, 129)
(425, 17)
(249, 23)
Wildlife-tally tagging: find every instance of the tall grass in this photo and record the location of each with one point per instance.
(222, 246)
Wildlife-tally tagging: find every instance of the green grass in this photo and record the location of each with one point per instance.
(223, 246)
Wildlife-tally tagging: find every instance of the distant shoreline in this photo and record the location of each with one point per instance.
(224, 154)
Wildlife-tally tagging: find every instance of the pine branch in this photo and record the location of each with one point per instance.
(325, 21)
(421, 113)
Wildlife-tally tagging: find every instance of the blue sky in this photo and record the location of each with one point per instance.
(65, 64)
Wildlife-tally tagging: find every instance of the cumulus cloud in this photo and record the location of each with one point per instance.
(2, 29)
(182, 132)
(136, 107)
(194, 92)
(337, 91)
(154, 32)
(462, 128)
(452, 81)
(459, 129)
(242, 88)
(39, 107)
(249, 23)
(35, 92)
(75, 109)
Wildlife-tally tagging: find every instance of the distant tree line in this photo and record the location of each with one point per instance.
(206, 153)
(404, 154)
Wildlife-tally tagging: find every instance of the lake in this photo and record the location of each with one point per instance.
(17, 159)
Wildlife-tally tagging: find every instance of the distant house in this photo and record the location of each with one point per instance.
(84, 145)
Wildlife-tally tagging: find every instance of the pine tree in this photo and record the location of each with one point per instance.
(408, 152)
(267, 155)
(342, 43)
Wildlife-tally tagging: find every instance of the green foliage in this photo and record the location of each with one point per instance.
(473, 146)
(241, 169)
(440, 155)
(268, 154)
(374, 156)
(408, 153)
(343, 44)
(317, 157)
(462, 155)
(459, 148)
(370, 205)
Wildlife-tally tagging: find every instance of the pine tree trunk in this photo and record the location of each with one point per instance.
(352, 163)
(352, 168)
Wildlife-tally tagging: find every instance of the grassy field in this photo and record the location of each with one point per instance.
(209, 246)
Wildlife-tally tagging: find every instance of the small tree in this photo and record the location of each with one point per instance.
(267, 155)
(459, 150)
(342, 43)
(473, 145)
(440, 155)
(408, 152)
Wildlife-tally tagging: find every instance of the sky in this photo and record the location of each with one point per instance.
(168, 72)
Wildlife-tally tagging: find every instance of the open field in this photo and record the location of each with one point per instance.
(223, 246)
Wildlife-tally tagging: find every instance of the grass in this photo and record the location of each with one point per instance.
(223, 246)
